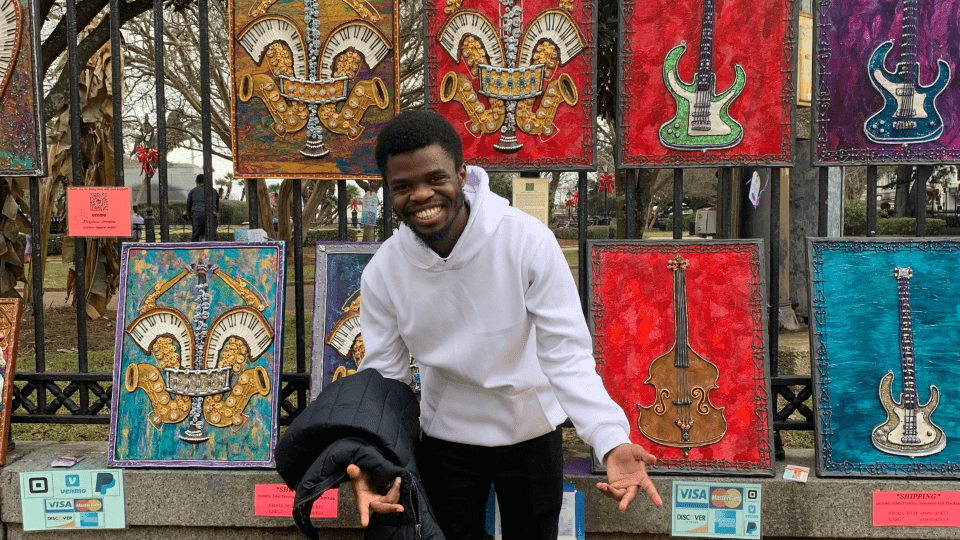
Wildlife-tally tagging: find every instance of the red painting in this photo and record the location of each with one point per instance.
(706, 83)
(679, 343)
(516, 78)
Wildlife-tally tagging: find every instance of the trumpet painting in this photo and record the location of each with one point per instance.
(10, 311)
(314, 82)
(337, 339)
(22, 146)
(197, 365)
(679, 341)
(515, 77)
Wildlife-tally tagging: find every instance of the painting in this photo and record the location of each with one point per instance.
(885, 79)
(706, 83)
(337, 341)
(886, 352)
(516, 79)
(10, 311)
(679, 341)
(197, 359)
(313, 85)
(22, 137)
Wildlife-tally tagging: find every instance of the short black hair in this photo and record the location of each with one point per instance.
(199, 179)
(413, 130)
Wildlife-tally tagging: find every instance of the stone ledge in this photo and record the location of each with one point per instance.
(217, 503)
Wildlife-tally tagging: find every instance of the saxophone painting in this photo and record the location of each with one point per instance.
(197, 361)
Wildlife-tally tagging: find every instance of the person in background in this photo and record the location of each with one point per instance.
(136, 225)
(196, 211)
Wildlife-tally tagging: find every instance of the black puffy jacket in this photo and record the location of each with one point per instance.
(373, 423)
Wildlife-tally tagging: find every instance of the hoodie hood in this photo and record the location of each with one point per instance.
(486, 211)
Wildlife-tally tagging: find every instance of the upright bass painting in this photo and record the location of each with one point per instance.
(679, 344)
(197, 363)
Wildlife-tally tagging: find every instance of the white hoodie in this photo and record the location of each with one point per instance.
(496, 327)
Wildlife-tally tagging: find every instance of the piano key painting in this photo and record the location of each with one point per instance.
(21, 112)
(197, 364)
(516, 78)
(313, 84)
(889, 95)
(706, 83)
(10, 309)
(337, 341)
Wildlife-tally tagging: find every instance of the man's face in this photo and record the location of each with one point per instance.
(426, 190)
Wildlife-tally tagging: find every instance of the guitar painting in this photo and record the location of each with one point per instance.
(909, 113)
(908, 430)
(682, 416)
(702, 121)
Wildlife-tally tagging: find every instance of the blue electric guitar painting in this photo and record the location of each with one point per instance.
(703, 120)
(909, 113)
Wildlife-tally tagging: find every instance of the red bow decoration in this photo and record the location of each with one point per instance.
(353, 204)
(574, 199)
(147, 159)
(606, 183)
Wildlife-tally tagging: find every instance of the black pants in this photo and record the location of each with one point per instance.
(528, 479)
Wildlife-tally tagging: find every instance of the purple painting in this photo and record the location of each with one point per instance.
(887, 89)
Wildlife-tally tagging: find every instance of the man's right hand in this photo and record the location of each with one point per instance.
(369, 499)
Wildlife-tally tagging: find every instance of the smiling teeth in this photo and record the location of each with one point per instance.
(427, 214)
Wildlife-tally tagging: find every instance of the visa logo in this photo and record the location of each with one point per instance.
(59, 505)
(691, 497)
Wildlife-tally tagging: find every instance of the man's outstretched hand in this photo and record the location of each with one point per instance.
(369, 499)
(627, 475)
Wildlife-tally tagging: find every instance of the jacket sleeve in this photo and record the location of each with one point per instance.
(565, 350)
(385, 350)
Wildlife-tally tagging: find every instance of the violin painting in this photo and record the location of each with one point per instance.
(679, 342)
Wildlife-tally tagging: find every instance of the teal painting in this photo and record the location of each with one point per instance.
(885, 341)
(198, 353)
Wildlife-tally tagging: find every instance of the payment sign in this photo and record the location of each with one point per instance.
(72, 500)
(716, 510)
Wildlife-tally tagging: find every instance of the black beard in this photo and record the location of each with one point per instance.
(431, 239)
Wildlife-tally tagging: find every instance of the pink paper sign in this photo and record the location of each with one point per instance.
(916, 508)
(98, 211)
(276, 500)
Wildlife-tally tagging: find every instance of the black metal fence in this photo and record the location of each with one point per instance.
(82, 397)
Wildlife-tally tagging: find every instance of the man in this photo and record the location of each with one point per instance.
(196, 212)
(136, 225)
(481, 295)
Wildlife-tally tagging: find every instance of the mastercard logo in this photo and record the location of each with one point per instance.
(88, 505)
(726, 498)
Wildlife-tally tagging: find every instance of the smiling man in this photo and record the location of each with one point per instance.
(481, 295)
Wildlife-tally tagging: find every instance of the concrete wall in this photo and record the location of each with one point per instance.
(177, 504)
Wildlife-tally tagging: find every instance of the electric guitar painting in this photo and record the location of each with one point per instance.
(703, 120)
(908, 430)
(909, 113)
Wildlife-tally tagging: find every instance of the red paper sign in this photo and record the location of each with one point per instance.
(916, 509)
(99, 211)
(276, 500)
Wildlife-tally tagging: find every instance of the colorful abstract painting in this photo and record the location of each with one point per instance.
(313, 84)
(886, 348)
(22, 139)
(679, 342)
(337, 341)
(516, 79)
(10, 310)
(886, 82)
(706, 83)
(197, 365)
